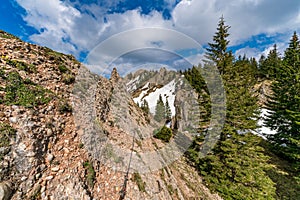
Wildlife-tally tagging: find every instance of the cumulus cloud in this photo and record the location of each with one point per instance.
(73, 27)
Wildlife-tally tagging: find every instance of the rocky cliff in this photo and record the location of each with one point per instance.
(68, 134)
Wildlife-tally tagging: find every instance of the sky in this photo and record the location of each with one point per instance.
(132, 34)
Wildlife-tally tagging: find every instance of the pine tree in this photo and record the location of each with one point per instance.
(217, 52)
(160, 110)
(284, 104)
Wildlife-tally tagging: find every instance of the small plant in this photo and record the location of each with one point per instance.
(164, 134)
(6, 134)
(64, 107)
(81, 145)
(63, 69)
(25, 92)
(90, 173)
(68, 78)
(22, 65)
(140, 183)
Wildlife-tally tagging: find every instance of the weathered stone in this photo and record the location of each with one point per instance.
(50, 157)
(5, 191)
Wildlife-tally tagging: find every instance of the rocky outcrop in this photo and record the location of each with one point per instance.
(61, 123)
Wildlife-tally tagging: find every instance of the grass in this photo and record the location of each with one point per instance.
(140, 183)
(284, 175)
(90, 173)
(7, 35)
(64, 107)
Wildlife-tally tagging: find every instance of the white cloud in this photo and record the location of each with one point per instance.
(73, 30)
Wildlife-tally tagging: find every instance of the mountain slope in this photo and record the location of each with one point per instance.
(48, 151)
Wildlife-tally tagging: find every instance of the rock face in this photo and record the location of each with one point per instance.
(53, 133)
(5, 191)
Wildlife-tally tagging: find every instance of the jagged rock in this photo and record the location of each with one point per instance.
(115, 77)
(5, 191)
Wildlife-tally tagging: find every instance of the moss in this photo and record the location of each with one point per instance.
(140, 183)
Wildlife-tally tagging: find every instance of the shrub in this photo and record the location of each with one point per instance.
(164, 134)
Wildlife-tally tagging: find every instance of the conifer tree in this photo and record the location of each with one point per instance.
(284, 104)
(160, 110)
(145, 106)
(236, 167)
(217, 52)
(269, 67)
(168, 111)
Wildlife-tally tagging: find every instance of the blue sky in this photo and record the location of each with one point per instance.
(162, 32)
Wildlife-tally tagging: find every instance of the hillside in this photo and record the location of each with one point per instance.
(56, 121)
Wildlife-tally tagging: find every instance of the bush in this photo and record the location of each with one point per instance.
(164, 134)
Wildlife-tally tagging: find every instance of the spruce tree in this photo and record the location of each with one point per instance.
(160, 110)
(236, 167)
(284, 105)
(168, 111)
(217, 52)
(269, 67)
(145, 106)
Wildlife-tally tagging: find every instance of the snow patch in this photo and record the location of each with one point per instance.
(167, 92)
(263, 131)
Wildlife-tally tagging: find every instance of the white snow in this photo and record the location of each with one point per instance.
(263, 130)
(131, 85)
(167, 92)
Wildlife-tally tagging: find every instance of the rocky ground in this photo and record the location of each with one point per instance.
(49, 150)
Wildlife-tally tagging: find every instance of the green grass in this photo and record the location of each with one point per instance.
(7, 35)
(284, 175)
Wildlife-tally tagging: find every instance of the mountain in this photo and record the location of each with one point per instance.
(67, 133)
